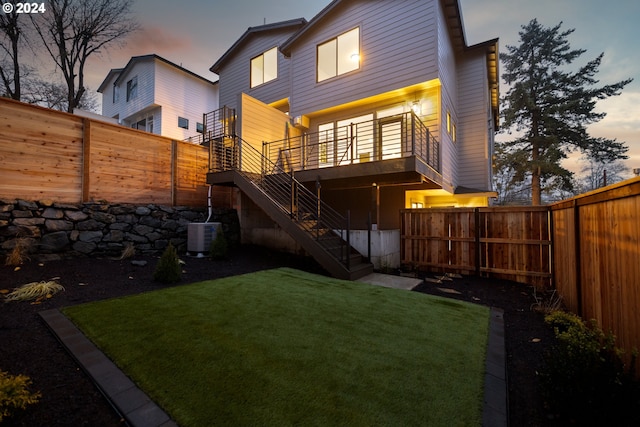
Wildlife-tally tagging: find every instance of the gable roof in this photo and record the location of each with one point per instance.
(120, 72)
(251, 31)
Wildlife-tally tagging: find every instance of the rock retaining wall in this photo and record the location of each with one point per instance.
(53, 230)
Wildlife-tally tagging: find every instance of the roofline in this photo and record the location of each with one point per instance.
(285, 47)
(215, 68)
(153, 56)
(109, 74)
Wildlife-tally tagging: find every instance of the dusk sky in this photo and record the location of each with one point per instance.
(195, 33)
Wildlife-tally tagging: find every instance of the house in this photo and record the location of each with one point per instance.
(371, 106)
(155, 95)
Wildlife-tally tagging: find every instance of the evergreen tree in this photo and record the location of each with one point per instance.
(549, 108)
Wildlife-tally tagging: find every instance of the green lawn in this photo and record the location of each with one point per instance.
(284, 347)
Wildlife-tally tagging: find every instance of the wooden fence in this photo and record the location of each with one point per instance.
(503, 242)
(46, 154)
(597, 258)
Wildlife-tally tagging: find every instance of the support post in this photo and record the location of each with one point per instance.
(348, 240)
(86, 160)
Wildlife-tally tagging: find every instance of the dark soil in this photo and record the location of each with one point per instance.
(69, 398)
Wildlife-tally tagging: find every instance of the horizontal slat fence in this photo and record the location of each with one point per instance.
(47, 154)
(506, 242)
(597, 258)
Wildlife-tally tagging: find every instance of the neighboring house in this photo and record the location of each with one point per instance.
(375, 105)
(158, 96)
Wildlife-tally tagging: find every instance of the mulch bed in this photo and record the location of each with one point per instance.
(70, 398)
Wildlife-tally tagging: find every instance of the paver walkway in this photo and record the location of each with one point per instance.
(140, 411)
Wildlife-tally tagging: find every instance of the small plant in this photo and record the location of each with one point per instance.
(584, 380)
(36, 291)
(547, 304)
(128, 252)
(14, 394)
(169, 268)
(18, 254)
(219, 246)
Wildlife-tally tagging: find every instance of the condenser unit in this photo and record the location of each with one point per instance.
(199, 236)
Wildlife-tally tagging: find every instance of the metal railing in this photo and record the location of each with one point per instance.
(392, 137)
(216, 125)
(302, 205)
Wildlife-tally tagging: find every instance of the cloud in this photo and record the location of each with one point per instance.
(155, 39)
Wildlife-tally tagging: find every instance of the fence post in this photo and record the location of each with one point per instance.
(576, 236)
(174, 172)
(86, 160)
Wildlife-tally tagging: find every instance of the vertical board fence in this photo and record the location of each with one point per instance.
(47, 154)
(597, 258)
(507, 242)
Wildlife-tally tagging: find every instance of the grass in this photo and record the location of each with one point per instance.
(284, 347)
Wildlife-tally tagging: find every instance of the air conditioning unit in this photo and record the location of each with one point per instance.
(301, 122)
(199, 236)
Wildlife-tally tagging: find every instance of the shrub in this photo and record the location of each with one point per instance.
(584, 380)
(219, 246)
(14, 393)
(169, 269)
(18, 254)
(36, 291)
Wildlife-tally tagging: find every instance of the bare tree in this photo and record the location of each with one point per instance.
(11, 33)
(54, 95)
(73, 30)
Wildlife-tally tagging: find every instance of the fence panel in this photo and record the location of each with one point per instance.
(597, 254)
(40, 153)
(509, 243)
(47, 154)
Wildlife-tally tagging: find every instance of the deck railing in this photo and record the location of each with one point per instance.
(392, 137)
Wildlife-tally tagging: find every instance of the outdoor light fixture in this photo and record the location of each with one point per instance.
(416, 108)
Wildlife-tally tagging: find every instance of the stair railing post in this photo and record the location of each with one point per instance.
(348, 239)
(351, 144)
(318, 208)
(369, 238)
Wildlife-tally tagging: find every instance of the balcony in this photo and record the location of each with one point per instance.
(395, 149)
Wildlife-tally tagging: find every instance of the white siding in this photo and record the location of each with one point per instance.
(181, 95)
(109, 108)
(474, 139)
(235, 75)
(144, 71)
(398, 49)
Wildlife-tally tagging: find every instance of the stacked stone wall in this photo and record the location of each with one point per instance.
(48, 230)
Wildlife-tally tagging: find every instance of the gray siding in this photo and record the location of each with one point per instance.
(449, 91)
(397, 45)
(235, 75)
(474, 139)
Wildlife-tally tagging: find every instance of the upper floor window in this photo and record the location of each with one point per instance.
(183, 123)
(339, 55)
(264, 67)
(132, 88)
(116, 94)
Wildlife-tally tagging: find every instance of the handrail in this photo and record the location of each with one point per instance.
(403, 135)
(310, 213)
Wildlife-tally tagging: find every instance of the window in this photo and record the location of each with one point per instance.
(339, 56)
(183, 123)
(451, 127)
(264, 68)
(116, 94)
(132, 88)
(199, 127)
